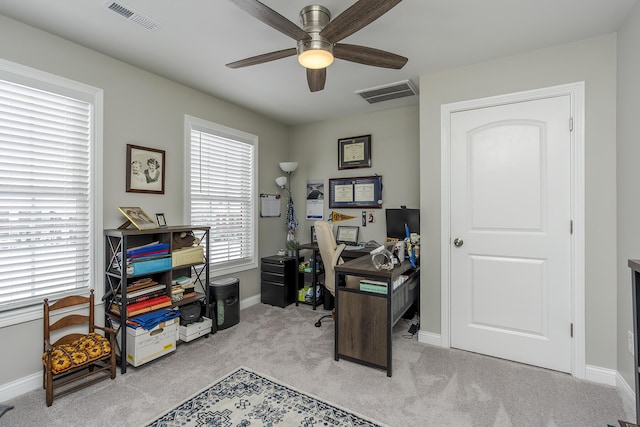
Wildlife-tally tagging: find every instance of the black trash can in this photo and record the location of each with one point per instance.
(224, 302)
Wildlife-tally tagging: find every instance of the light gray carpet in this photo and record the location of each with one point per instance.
(430, 386)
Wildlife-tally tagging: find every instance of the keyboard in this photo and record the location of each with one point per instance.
(353, 247)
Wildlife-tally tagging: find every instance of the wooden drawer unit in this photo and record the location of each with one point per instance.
(278, 280)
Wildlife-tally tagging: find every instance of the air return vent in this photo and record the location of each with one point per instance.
(131, 14)
(388, 92)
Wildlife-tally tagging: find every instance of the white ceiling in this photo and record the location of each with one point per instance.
(196, 38)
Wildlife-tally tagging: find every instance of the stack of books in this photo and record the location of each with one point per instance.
(186, 283)
(143, 295)
(375, 286)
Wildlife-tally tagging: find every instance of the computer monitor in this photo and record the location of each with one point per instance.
(397, 218)
(347, 234)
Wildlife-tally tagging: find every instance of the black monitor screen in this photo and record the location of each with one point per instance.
(397, 218)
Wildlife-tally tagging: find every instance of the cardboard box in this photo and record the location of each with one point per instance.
(146, 345)
(186, 256)
(195, 330)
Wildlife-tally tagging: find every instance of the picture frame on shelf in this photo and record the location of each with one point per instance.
(136, 216)
(354, 152)
(145, 170)
(314, 238)
(160, 219)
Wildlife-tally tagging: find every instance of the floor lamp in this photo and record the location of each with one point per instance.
(290, 221)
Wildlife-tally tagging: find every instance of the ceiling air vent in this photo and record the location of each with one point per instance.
(388, 92)
(132, 15)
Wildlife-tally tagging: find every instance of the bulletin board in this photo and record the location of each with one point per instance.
(356, 192)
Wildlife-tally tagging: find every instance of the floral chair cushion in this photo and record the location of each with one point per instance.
(86, 349)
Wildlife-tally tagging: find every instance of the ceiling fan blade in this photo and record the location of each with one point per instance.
(316, 79)
(358, 16)
(368, 56)
(266, 57)
(271, 18)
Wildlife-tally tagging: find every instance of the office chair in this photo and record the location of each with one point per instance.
(330, 253)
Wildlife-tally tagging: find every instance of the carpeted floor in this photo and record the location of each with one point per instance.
(430, 386)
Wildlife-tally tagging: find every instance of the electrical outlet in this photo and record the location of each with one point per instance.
(630, 341)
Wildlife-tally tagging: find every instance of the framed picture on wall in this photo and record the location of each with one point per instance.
(354, 152)
(356, 192)
(145, 170)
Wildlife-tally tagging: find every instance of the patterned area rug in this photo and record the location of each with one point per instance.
(245, 398)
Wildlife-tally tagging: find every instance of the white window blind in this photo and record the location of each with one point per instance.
(222, 196)
(44, 194)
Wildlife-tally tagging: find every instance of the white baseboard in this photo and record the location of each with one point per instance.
(600, 375)
(21, 386)
(429, 338)
(627, 394)
(34, 381)
(248, 302)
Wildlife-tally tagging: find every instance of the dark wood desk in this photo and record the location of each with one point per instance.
(315, 272)
(364, 320)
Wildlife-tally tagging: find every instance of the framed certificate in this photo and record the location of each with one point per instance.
(358, 192)
(354, 152)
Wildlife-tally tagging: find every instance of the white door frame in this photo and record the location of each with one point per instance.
(576, 93)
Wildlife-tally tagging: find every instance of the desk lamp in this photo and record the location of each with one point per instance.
(291, 222)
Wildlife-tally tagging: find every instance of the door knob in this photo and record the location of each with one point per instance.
(458, 242)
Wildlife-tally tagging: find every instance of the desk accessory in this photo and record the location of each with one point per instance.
(382, 259)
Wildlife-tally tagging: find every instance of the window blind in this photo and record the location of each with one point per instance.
(222, 188)
(44, 194)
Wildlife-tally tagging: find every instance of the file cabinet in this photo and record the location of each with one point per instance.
(278, 280)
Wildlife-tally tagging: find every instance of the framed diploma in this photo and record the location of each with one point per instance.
(354, 152)
(360, 192)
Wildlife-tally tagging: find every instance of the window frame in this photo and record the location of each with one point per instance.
(42, 80)
(195, 123)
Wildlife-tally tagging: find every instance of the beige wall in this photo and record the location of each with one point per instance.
(394, 149)
(144, 109)
(592, 61)
(628, 178)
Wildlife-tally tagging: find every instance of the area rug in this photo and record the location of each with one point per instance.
(246, 398)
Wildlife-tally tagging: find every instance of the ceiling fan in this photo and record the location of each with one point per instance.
(317, 40)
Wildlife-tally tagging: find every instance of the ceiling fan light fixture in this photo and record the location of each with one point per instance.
(315, 59)
(317, 52)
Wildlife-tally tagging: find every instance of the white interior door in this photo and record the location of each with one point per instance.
(510, 222)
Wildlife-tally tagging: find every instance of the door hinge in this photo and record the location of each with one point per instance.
(570, 124)
(571, 330)
(571, 227)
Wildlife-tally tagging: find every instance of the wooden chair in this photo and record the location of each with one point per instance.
(75, 357)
